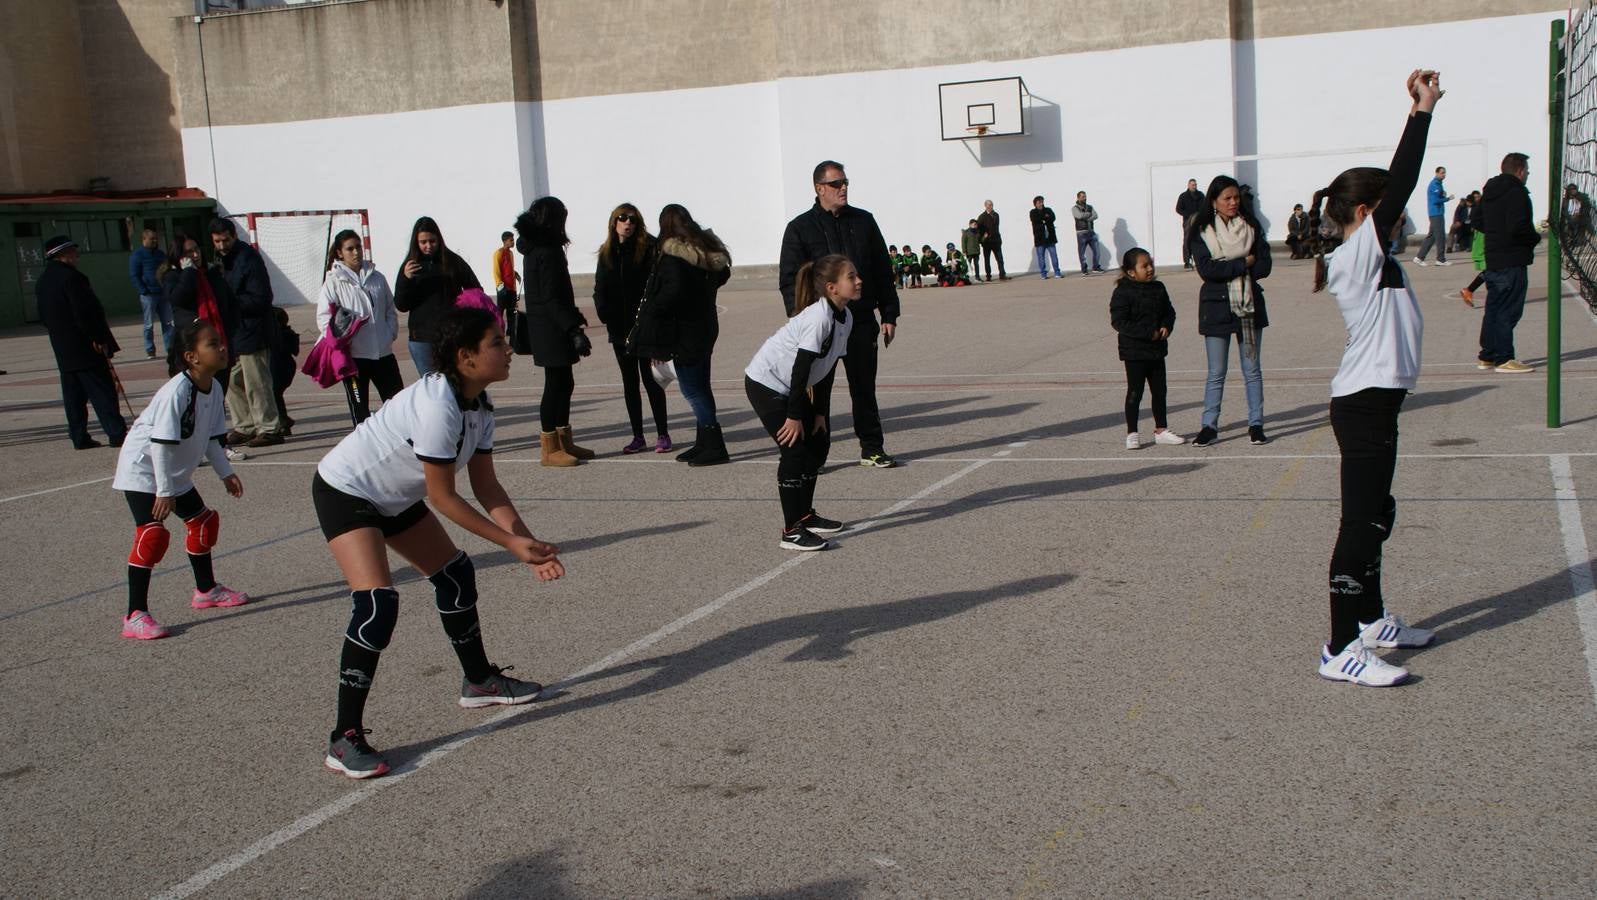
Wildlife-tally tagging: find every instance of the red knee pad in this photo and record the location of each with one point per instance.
(150, 541)
(202, 532)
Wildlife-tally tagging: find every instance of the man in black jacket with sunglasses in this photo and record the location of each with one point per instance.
(832, 226)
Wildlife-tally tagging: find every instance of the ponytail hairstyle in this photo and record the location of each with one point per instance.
(461, 328)
(1129, 262)
(338, 241)
(187, 338)
(1361, 185)
(542, 225)
(814, 276)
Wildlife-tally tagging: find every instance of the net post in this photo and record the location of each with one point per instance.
(249, 225)
(1555, 176)
(366, 234)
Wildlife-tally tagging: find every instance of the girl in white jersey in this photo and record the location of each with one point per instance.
(1380, 365)
(369, 494)
(789, 384)
(155, 471)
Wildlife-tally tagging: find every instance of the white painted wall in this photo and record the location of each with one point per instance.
(1117, 124)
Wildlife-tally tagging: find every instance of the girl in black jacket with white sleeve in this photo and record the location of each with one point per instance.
(1380, 365)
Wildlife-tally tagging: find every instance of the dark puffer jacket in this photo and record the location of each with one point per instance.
(1511, 236)
(552, 314)
(73, 316)
(1215, 318)
(1138, 309)
(431, 293)
(677, 319)
(618, 285)
(245, 273)
(853, 232)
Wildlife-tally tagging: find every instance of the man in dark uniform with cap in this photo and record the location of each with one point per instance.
(83, 345)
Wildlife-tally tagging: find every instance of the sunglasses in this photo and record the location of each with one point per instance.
(626, 217)
(836, 184)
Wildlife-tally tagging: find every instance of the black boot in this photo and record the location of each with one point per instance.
(697, 448)
(712, 448)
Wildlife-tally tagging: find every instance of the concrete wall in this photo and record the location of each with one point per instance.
(45, 141)
(128, 60)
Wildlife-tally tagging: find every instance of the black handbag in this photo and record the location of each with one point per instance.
(520, 330)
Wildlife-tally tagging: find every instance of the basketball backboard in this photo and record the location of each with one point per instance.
(991, 107)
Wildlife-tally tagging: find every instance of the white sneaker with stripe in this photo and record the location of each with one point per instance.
(1392, 631)
(1358, 665)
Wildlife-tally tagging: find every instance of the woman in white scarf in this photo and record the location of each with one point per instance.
(1231, 254)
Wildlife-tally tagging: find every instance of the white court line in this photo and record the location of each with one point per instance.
(1575, 550)
(225, 867)
(64, 487)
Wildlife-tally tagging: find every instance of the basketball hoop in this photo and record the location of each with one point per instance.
(976, 130)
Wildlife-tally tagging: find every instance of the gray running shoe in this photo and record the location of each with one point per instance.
(350, 755)
(499, 690)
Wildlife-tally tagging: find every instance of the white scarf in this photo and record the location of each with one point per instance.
(1233, 240)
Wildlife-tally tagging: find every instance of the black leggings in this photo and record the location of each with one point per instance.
(554, 410)
(1365, 425)
(384, 373)
(1139, 371)
(800, 463)
(635, 369)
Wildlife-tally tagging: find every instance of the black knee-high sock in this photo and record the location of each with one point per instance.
(807, 499)
(204, 578)
(791, 489)
(138, 589)
(455, 590)
(356, 667)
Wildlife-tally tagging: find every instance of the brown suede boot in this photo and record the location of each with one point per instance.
(551, 453)
(566, 444)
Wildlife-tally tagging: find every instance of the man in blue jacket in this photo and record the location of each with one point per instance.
(1436, 198)
(251, 399)
(143, 267)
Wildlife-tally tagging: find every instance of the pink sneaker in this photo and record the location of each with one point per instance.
(141, 626)
(662, 444)
(221, 595)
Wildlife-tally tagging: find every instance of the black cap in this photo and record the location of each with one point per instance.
(58, 245)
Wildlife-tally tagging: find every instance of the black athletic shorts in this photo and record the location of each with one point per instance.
(338, 512)
(187, 505)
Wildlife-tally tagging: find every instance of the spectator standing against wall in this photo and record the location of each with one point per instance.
(1187, 206)
(1436, 197)
(143, 270)
(1511, 240)
(82, 342)
(833, 226)
(251, 399)
(992, 243)
(505, 272)
(1087, 234)
(1044, 237)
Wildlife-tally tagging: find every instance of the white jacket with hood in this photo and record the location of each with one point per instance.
(365, 295)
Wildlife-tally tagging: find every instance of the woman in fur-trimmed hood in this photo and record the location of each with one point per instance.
(677, 320)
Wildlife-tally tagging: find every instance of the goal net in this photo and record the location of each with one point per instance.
(294, 245)
(1576, 221)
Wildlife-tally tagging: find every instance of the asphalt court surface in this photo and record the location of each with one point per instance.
(1046, 666)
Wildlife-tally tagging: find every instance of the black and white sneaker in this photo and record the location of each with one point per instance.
(804, 540)
(349, 755)
(1256, 435)
(1206, 437)
(819, 524)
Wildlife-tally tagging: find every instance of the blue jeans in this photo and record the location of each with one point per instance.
(155, 306)
(1084, 240)
(1219, 350)
(421, 354)
(694, 377)
(1505, 303)
(1052, 252)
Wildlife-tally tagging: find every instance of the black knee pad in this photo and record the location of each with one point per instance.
(372, 618)
(455, 585)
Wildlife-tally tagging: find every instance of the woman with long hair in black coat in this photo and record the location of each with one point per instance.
(618, 282)
(555, 323)
(429, 281)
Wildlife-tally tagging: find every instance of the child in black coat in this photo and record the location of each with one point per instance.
(1141, 312)
(285, 347)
